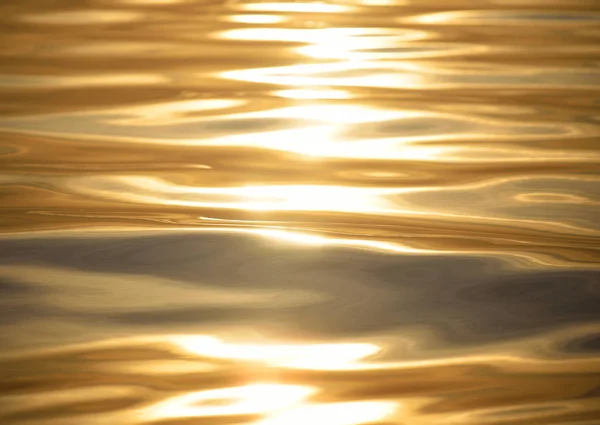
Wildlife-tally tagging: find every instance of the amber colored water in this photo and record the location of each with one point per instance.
(350, 212)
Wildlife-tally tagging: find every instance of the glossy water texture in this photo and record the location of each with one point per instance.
(349, 212)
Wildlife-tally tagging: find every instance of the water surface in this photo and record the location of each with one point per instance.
(378, 212)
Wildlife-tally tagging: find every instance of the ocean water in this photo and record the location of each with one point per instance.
(351, 212)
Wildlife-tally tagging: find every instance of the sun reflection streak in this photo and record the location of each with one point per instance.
(245, 400)
(255, 19)
(341, 356)
(313, 94)
(250, 198)
(351, 413)
(308, 239)
(369, 77)
(294, 7)
(278, 404)
(367, 74)
(342, 38)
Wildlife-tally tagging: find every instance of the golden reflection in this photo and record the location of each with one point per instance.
(351, 413)
(342, 43)
(90, 81)
(455, 390)
(84, 17)
(310, 239)
(372, 44)
(340, 356)
(336, 113)
(437, 18)
(245, 400)
(381, 2)
(279, 404)
(552, 198)
(505, 17)
(294, 7)
(367, 74)
(313, 94)
(267, 198)
(377, 49)
(298, 35)
(300, 122)
(416, 75)
(180, 111)
(255, 19)
(149, 2)
(298, 198)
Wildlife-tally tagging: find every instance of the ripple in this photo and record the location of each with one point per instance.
(255, 19)
(507, 17)
(84, 17)
(462, 382)
(292, 7)
(348, 212)
(11, 81)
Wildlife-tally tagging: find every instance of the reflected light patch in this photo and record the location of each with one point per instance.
(313, 94)
(437, 18)
(386, 49)
(383, 2)
(334, 198)
(365, 44)
(353, 413)
(165, 113)
(298, 7)
(268, 198)
(346, 38)
(366, 74)
(322, 141)
(503, 17)
(294, 237)
(83, 17)
(309, 239)
(340, 114)
(83, 81)
(151, 2)
(342, 356)
(275, 34)
(245, 400)
(256, 19)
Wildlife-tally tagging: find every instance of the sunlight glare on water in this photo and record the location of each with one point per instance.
(343, 212)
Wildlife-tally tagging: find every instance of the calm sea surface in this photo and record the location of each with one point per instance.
(351, 212)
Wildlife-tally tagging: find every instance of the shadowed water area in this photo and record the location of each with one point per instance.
(352, 212)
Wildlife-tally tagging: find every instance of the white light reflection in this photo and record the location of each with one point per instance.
(302, 35)
(83, 17)
(366, 74)
(255, 19)
(503, 17)
(339, 114)
(341, 356)
(313, 94)
(376, 49)
(294, 7)
(372, 44)
(319, 129)
(279, 404)
(106, 80)
(245, 400)
(352, 413)
(304, 238)
(264, 198)
(326, 38)
(178, 111)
